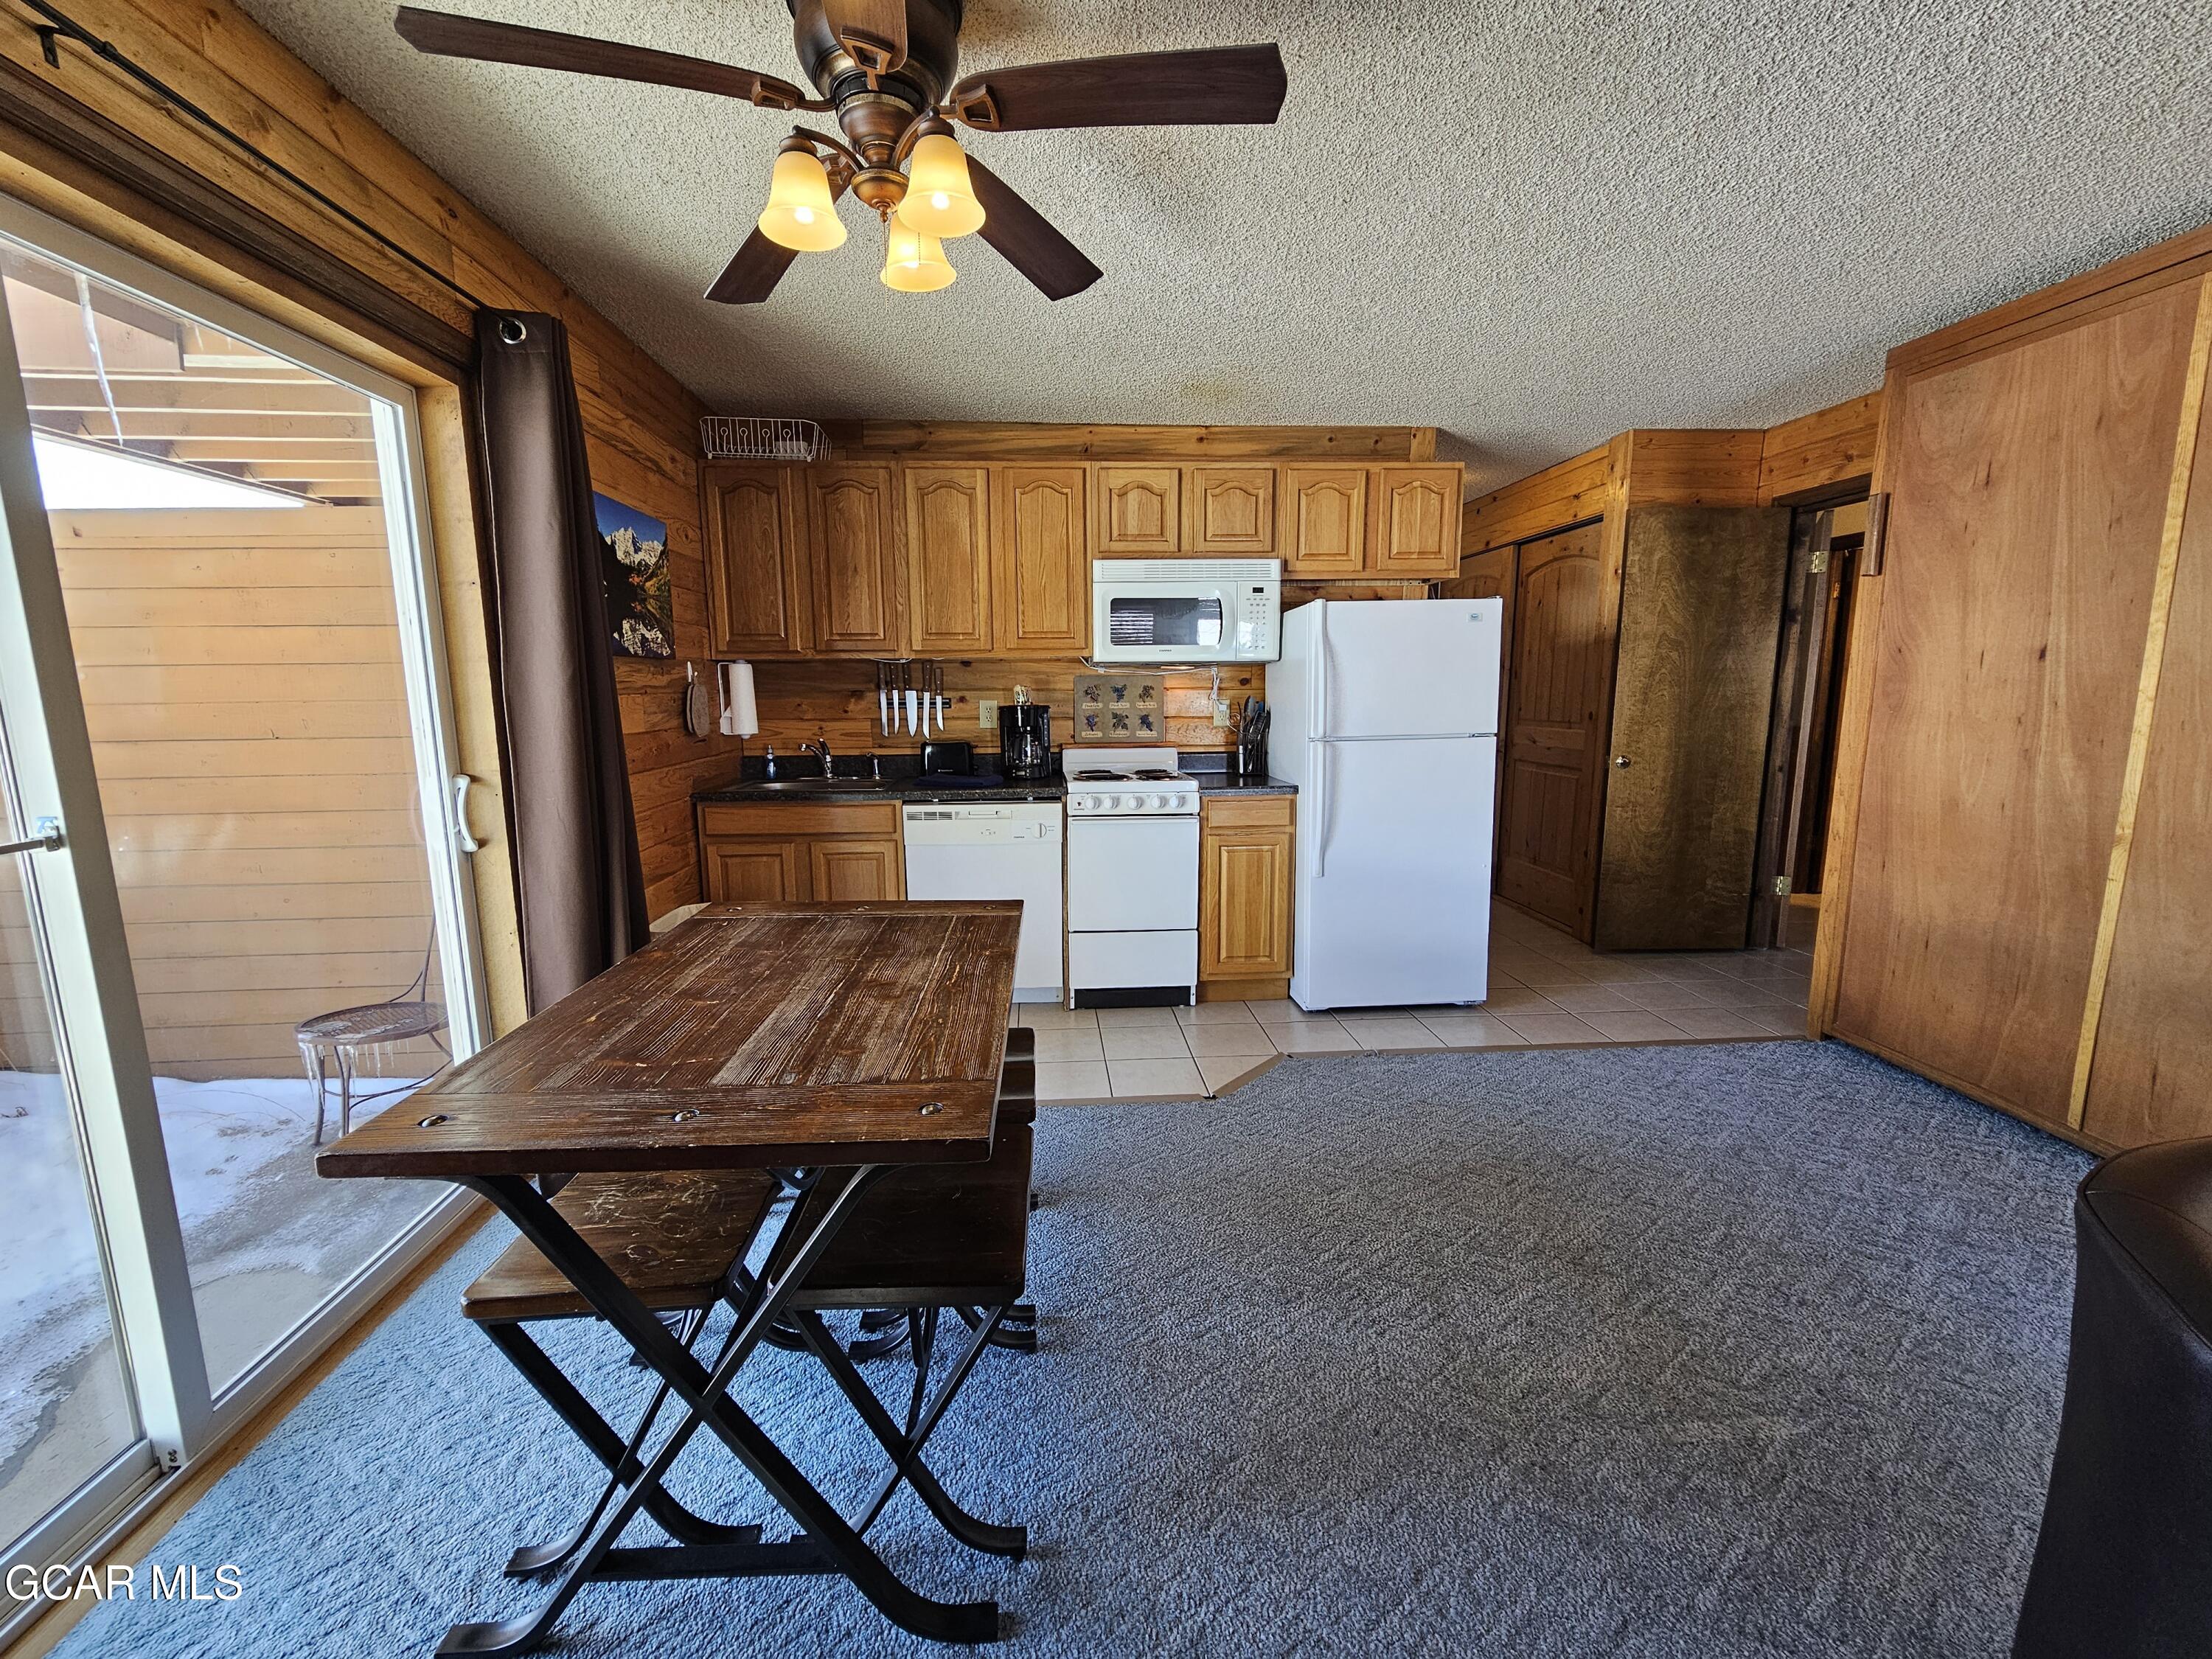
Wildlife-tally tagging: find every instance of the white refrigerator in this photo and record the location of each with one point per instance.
(1386, 718)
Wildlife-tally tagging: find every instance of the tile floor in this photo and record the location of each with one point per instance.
(1546, 990)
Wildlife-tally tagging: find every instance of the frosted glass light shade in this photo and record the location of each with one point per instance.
(799, 213)
(914, 263)
(940, 199)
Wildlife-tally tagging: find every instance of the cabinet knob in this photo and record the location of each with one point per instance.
(1620, 759)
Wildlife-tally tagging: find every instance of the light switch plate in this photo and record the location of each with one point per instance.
(987, 713)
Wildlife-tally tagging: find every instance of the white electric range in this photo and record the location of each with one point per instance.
(1132, 878)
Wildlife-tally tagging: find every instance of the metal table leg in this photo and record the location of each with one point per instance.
(826, 1535)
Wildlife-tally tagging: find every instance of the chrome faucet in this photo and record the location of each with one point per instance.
(818, 746)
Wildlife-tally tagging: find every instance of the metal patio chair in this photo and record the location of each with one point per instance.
(333, 1041)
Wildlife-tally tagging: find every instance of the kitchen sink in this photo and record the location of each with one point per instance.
(820, 786)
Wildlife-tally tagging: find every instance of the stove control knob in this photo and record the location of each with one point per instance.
(1160, 803)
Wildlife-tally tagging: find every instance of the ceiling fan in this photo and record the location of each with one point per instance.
(885, 69)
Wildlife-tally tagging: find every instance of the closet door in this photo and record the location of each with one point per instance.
(1693, 695)
(1562, 664)
(2028, 491)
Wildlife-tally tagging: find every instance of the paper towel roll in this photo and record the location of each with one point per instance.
(740, 714)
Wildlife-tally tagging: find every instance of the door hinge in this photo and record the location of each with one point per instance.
(1782, 887)
(1818, 562)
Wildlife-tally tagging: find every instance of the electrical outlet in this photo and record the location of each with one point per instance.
(1221, 721)
(986, 713)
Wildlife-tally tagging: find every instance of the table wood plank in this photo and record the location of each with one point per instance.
(781, 1034)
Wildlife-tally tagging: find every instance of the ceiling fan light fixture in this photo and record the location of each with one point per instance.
(914, 262)
(801, 214)
(940, 199)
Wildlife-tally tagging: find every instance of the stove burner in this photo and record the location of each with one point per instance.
(1155, 774)
(1100, 777)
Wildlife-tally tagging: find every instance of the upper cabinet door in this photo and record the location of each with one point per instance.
(1228, 510)
(948, 556)
(854, 537)
(1139, 509)
(1416, 525)
(755, 570)
(1041, 593)
(1324, 520)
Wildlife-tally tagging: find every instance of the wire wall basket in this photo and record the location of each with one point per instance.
(760, 438)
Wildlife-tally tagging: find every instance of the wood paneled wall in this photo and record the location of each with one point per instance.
(1828, 448)
(1699, 466)
(799, 700)
(241, 680)
(640, 424)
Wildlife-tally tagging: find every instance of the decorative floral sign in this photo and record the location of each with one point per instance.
(634, 564)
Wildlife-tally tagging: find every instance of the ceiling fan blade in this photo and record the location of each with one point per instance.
(1216, 86)
(873, 31)
(759, 264)
(445, 35)
(1027, 238)
(752, 273)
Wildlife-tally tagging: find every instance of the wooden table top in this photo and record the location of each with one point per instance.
(752, 1035)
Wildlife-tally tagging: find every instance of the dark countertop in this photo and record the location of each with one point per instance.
(901, 783)
(1236, 783)
(891, 789)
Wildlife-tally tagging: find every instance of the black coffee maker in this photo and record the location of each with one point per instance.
(1025, 742)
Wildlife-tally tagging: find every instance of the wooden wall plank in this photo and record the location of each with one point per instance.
(1820, 451)
(1562, 494)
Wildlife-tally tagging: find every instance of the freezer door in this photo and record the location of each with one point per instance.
(1394, 873)
(1398, 668)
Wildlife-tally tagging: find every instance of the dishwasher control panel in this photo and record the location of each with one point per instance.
(970, 826)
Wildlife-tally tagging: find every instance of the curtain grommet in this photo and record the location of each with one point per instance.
(512, 331)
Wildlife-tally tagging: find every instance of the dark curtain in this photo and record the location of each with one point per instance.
(580, 884)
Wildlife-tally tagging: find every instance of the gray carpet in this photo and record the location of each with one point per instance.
(1748, 1350)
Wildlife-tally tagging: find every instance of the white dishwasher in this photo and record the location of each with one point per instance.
(996, 850)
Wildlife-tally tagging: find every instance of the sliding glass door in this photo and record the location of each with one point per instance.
(242, 919)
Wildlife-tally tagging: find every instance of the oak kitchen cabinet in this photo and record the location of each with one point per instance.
(1416, 519)
(1140, 510)
(1245, 875)
(948, 556)
(1229, 512)
(754, 517)
(1041, 572)
(1324, 521)
(2016, 900)
(859, 605)
(800, 851)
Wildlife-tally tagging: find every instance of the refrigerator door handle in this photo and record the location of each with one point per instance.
(1323, 725)
(1322, 808)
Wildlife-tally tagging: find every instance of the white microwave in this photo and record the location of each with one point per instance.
(1186, 610)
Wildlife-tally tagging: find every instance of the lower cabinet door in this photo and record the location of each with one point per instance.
(1244, 905)
(755, 870)
(843, 870)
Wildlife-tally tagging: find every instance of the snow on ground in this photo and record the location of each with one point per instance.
(241, 1158)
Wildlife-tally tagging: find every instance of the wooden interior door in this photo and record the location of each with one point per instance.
(1489, 575)
(756, 570)
(1041, 601)
(948, 556)
(853, 539)
(2028, 499)
(1562, 662)
(1693, 704)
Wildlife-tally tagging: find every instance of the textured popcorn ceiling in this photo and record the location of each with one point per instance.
(1531, 224)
